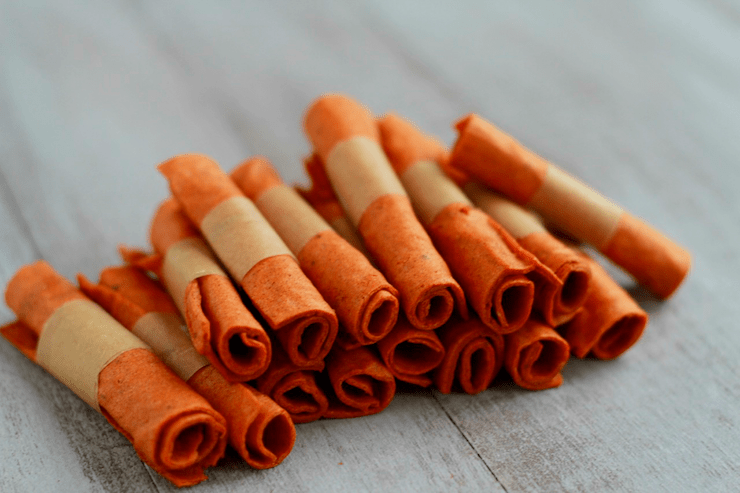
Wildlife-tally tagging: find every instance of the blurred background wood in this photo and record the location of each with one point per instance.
(639, 99)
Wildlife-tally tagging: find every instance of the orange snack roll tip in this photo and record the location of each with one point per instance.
(258, 429)
(320, 189)
(220, 326)
(610, 321)
(346, 139)
(333, 118)
(534, 356)
(411, 354)
(361, 383)
(557, 302)
(502, 163)
(255, 256)
(172, 428)
(294, 388)
(491, 267)
(366, 304)
(489, 155)
(474, 354)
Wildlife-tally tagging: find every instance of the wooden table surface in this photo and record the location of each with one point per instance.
(639, 99)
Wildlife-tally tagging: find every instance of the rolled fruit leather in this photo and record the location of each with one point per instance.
(411, 354)
(321, 197)
(474, 354)
(221, 327)
(360, 383)
(258, 429)
(295, 388)
(534, 356)
(172, 428)
(557, 303)
(491, 267)
(346, 139)
(503, 164)
(610, 321)
(365, 303)
(255, 256)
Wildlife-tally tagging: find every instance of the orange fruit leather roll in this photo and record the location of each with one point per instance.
(258, 429)
(221, 327)
(534, 356)
(347, 141)
(255, 256)
(360, 382)
(172, 428)
(474, 354)
(556, 302)
(610, 321)
(295, 388)
(321, 197)
(365, 303)
(411, 354)
(491, 267)
(500, 162)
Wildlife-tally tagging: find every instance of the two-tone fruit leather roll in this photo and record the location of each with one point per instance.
(491, 267)
(556, 302)
(172, 428)
(474, 354)
(365, 303)
(345, 137)
(411, 354)
(360, 383)
(321, 197)
(255, 256)
(295, 388)
(534, 356)
(221, 327)
(258, 429)
(610, 321)
(503, 164)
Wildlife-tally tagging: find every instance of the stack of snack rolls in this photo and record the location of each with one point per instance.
(259, 305)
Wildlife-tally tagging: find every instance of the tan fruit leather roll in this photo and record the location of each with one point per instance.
(557, 303)
(294, 388)
(321, 197)
(346, 139)
(474, 354)
(258, 429)
(221, 327)
(487, 262)
(361, 383)
(610, 321)
(172, 428)
(534, 356)
(256, 257)
(502, 163)
(366, 304)
(411, 354)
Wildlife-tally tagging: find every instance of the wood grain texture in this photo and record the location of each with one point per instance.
(640, 100)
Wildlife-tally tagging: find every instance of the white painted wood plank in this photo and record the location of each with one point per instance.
(97, 108)
(263, 63)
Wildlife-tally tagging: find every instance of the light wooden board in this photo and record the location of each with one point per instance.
(641, 101)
